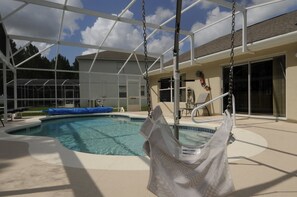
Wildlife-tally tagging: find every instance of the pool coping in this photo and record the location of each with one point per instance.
(51, 151)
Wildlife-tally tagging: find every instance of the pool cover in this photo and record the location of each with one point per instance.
(85, 110)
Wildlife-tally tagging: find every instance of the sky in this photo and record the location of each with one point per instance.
(41, 22)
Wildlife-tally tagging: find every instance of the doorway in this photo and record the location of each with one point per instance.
(259, 87)
(133, 95)
(69, 98)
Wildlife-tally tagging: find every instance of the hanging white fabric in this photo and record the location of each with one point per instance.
(179, 171)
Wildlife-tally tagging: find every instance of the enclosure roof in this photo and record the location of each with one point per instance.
(113, 55)
(276, 26)
(44, 82)
(84, 27)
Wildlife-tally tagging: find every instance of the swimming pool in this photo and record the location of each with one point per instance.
(106, 134)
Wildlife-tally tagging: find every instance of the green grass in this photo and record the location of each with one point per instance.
(33, 113)
(37, 108)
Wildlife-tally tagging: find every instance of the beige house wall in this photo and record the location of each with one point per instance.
(291, 86)
(213, 77)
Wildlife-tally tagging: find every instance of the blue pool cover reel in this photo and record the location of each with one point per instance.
(86, 110)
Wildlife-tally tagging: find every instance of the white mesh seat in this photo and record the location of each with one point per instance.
(179, 171)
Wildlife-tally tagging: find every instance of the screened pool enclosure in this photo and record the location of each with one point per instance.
(105, 42)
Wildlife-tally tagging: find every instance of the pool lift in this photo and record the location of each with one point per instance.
(173, 163)
(176, 73)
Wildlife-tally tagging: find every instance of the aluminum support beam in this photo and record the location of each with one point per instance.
(125, 63)
(6, 61)
(58, 51)
(138, 64)
(5, 81)
(110, 30)
(15, 86)
(15, 90)
(181, 41)
(5, 57)
(192, 48)
(76, 44)
(12, 59)
(162, 63)
(176, 72)
(71, 71)
(100, 15)
(264, 4)
(4, 92)
(228, 4)
(59, 35)
(244, 31)
(20, 49)
(34, 55)
(167, 21)
(153, 63)
(13, 12)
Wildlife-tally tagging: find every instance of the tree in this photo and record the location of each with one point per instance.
(62, 64)
(75, 67)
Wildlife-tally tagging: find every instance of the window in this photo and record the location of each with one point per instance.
(142, 91)
(122, 92)
(166, 89)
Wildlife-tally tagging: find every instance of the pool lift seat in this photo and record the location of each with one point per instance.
(180, 170)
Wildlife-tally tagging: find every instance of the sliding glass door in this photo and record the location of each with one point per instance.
(240, 87)
(259, 87)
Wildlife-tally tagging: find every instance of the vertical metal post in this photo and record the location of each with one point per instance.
(56, 91)
(234, 111)
(5, 83)
(43, 95)
(192, 45)
(161, 63)
(140, 97)
(15, 96)
(176, 98)
(25, 95)
(244, 31)
(15, 89)
(118, 93)
(89, 86)
(127, 92)
(176, 69)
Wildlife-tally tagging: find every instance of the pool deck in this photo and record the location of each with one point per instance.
(263, 162)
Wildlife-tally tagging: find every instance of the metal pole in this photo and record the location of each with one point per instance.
(56, 91)
(118, 92)
(15, 89)
(244, 31)
(176, 69)
(5, 82)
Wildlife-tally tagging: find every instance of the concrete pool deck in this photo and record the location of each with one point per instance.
(263, 162)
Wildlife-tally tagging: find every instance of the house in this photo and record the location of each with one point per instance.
(264, 77)
(114, 79)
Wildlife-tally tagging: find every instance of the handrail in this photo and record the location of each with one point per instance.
(211, 101)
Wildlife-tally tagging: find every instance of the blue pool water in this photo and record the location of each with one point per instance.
(105, 135)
